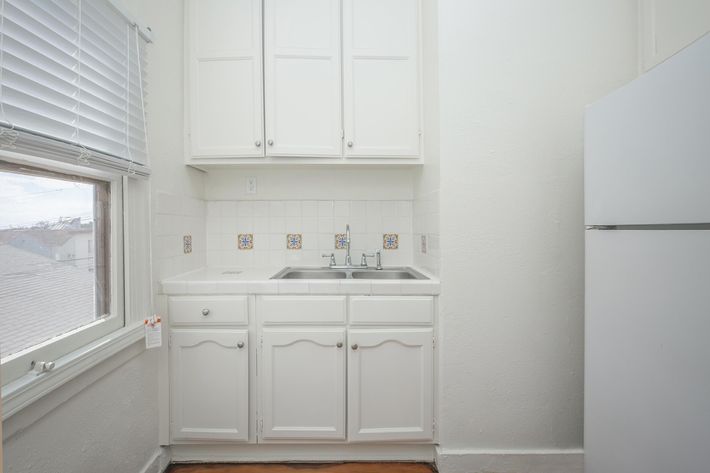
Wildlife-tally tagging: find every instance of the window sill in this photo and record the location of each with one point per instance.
(22, 392)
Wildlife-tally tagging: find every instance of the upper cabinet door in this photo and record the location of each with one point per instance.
(225, 78)
(381, 78)
(302, 77)
(667, 26)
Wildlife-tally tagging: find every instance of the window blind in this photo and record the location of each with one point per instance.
(72, 83)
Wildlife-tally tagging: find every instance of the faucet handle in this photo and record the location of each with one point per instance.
(331, 256)
(363, 260)
(378, 254)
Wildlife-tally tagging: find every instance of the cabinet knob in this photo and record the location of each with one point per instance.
(339, 344)
(257, 144)
(354, 347)
(205, 312)
(350, 144)
(240, 345)
(270, 142)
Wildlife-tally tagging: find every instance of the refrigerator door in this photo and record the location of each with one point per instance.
(647, 351)
(647, 146)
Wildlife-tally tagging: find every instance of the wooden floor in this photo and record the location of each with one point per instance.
(303, 468)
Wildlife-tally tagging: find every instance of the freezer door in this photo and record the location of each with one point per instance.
(647, 352)
(647, 146)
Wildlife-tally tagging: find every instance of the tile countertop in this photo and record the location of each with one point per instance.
(258, 281)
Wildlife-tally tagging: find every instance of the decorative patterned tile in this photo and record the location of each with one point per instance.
(390, 241)
(187, 244)
(341, 241)
(245, 241)
(294, 241)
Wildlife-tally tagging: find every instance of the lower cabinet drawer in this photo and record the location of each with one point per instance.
(391, 310)
(299, 310)
(209, 310)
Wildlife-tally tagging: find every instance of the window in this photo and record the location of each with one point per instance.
(73, 150)
(51, 281)
(54, 283)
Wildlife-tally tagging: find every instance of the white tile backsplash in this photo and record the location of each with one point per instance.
(175, 217)
(317, 221)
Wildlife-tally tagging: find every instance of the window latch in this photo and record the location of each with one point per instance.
(42, 366)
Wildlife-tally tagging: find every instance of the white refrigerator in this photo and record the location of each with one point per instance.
(647, 301)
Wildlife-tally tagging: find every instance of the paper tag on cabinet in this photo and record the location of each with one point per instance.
(153, 332)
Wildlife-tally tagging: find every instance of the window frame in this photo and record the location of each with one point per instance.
(17, 366)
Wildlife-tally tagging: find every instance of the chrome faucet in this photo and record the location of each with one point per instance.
(348, 259)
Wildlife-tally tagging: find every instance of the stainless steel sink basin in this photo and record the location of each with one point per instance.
(384, 274)
(349, 273)
(312, 274)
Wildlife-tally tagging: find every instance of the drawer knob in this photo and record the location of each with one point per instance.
(205, 312)
(354, 347)
(240, 345)
(339, 344)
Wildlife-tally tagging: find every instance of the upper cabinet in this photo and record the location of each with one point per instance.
(302, 77)
(225, 78)
(667, 26)
(335, 81)
(381, 77)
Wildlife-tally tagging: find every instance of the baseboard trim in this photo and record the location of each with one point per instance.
(159, 462)
(509, 461)
(301, 453)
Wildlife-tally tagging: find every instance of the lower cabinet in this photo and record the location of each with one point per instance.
(323, 371)
(209, 384)
(390, 385)
(302, 384)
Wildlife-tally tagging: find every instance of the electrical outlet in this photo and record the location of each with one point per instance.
(251, 185)
(424, 244)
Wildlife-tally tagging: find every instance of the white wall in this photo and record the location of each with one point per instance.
(310, 183)
(514, 79)
(426, 251)
(178, 208)
(109, 425)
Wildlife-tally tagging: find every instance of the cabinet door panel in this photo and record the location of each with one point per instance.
(381, 78)
(302, 78)
(303, 384)
(390, 385)
(210, 385)
(226, 104)
(667, 26)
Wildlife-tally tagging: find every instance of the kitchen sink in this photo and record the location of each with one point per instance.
(349, 273)
(311, 274)
(384, 274)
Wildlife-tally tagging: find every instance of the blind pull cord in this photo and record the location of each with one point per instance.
(8, 136)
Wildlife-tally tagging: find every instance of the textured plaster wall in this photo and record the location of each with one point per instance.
(427, 180)
(514, 78)
(110, 427)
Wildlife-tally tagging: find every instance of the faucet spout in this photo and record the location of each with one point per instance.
(348, 259)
